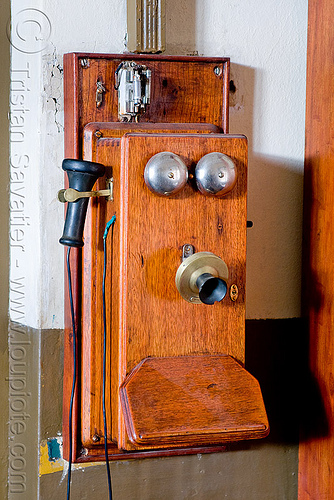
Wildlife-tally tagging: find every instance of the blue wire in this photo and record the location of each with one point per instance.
(108, 226)
(74, 372)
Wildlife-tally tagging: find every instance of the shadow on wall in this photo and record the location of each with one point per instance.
(277, 350)
(275, 198)
(274, 243)
(277, 355)
(272, 356)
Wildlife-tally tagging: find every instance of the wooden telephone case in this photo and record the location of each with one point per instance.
(176, 383)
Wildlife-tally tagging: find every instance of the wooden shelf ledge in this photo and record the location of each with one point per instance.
(191, 401)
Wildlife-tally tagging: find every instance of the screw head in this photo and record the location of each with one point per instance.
(96, 438)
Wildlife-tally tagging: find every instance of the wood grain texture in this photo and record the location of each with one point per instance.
(96, 453)
(153, 231)
(72, 150)
(96, 133)
(172, 99)
(154, 319)
(107, 150)
(316, 451)
(191, 400)
(184, 90)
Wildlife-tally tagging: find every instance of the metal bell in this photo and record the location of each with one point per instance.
(215, 174)
(165, 173)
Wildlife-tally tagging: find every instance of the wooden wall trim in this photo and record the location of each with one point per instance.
(316, 452)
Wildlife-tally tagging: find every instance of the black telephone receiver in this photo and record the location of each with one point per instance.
(82, 176)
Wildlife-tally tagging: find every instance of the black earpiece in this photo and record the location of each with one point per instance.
(82, 176)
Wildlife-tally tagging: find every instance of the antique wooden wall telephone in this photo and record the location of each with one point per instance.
(152, 132)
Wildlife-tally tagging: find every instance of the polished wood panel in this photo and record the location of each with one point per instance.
(316, 451)
(96, 133)
(71, 150)
(191, 400)
(153, 231)
(154, 319)
(184, 90)
(104, 147)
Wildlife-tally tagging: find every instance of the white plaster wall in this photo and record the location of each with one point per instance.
(26, 259)
(266, 42)
(4, 246)
(37, 260)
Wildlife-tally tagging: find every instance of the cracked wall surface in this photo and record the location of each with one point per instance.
(53, 90)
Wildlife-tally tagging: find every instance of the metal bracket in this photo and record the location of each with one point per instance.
(187, 251)
(133, 83)
(71, 195)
